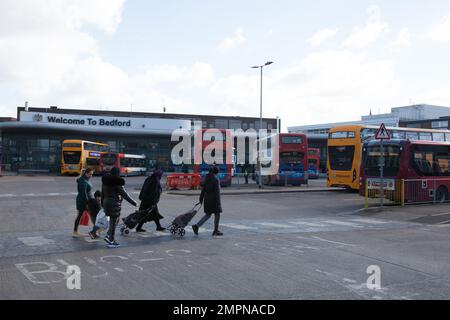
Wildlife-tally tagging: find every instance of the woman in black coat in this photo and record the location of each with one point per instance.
(149, 196)
(112, 195)
(210, 197)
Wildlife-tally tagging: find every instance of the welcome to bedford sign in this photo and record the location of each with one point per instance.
(105, 121)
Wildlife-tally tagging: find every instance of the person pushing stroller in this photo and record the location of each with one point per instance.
(149, 196)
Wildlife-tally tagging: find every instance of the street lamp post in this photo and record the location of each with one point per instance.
(260, 122)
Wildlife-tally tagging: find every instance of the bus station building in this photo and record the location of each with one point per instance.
(32, 142)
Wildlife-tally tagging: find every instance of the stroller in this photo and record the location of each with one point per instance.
(134, 219)
(181, 221)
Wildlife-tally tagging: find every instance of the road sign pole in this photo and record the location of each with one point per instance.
(381, 173)
(382, 134)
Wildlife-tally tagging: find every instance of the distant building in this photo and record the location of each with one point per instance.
(414, 116)
(6, 119)
(34, 139)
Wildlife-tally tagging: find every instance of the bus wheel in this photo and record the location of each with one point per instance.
(441, 194)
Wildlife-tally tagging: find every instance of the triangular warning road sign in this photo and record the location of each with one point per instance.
(382, 133)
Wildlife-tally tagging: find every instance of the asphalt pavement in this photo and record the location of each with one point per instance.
(320, 245)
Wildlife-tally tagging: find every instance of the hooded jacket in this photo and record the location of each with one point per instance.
(84, 188)
(112, 195)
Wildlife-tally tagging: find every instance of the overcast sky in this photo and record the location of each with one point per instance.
(333, 60)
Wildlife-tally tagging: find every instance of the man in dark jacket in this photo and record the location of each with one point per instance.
(210, 195)
(149, 196)
(112, 195)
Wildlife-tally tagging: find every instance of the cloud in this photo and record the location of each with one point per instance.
(441, 32)
(403, 39)
(438, 96)
(325, 86)
(42, 44)
(370, 33)
(230, 43)
(48, 57)
(321, 36)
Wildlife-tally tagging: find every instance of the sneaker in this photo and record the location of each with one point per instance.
(77, 234)
(217, 233)
(141, 230)
(107, 240)
(160, 229)
(93, 235)
(113, 244)
(195, 229)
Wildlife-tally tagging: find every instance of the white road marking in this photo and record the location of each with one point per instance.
(309, 224)
(440, 214)
(139, 267)
(335, 242)
(274, 225)
(36, 241)
(238, 226)
(118, 269)
(63, 262)
(342, 223)
(369, 221)
(51, 194)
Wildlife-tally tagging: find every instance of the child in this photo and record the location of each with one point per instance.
(94, 206)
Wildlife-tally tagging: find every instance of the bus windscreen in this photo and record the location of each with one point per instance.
(391, 160)
(341, 157)
(72, 157)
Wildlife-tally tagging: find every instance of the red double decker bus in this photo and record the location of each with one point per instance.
(293, 160)
(208, 136)
(313, 163)
(129, 164)
(414, 171)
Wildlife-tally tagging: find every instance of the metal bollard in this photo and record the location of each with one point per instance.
(366, 195)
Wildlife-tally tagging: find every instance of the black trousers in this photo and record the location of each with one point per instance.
(77, 220)
(93, 219)
(113, 221)
(206, 218)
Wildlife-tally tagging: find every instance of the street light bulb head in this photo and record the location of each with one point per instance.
(268, 62)
(255, 67)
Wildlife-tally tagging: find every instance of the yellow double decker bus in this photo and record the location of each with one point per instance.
(345, 148)
(80, 154)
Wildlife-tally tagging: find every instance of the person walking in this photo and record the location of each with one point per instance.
(246, 174)
(150, 194)
(94, 207)
(84, 188)
(210, 195)
(113, 193)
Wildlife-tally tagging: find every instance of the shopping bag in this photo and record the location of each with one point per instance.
(85, 218)
(102, 220)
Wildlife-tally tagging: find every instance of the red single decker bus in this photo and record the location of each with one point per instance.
(129, 164)
(293, 160)
(313, 163)
(208, 136)
(414, 171)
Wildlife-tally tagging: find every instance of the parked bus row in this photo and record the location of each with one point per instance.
(79, 154)
(345, 149)
(416, 162)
